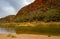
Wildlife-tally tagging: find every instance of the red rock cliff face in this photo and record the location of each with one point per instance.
(32, 6)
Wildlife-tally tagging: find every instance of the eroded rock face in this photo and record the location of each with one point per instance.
(36, 7)
(32, 6)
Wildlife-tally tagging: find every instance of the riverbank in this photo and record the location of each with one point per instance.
(30, 24)
(27, 36)
(51, 28)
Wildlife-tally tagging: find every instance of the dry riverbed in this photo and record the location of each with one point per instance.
(27, 36)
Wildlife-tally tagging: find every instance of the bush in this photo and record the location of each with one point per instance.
(52, 15)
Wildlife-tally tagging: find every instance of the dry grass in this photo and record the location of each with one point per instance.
(30, 24)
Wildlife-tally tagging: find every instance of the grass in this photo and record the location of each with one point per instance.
(39, 28)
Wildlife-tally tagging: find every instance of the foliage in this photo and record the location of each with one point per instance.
(47, 29)
(47, 16)
(52, 15)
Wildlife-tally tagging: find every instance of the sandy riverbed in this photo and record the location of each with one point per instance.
(28, 36)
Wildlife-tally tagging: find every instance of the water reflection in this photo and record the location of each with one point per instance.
(7, 31)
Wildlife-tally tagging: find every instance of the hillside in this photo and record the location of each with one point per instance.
(33, 6)
(7, 18)
(41, 10)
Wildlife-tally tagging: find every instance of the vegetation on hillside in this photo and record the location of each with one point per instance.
(47, 12)
(41, 14)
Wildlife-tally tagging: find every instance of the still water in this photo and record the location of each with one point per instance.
(7, 31)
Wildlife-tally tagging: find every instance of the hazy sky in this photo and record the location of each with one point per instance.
(10, 7)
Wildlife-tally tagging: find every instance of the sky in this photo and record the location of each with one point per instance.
(11, 7)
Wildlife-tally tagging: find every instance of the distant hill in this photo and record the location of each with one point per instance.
(7, 18)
